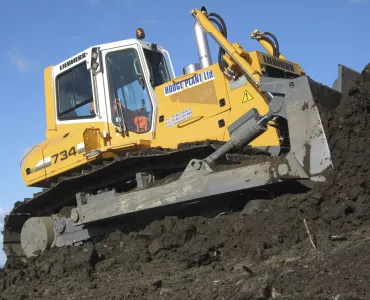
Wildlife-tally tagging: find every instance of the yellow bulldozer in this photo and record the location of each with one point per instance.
(127, 137)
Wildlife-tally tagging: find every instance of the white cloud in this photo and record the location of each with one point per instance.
(21, 62)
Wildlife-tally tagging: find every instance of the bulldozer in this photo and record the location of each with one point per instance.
(127, 137)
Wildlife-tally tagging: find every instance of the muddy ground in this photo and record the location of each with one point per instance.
(296, 245)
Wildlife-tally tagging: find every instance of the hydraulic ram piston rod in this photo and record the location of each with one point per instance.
(242, 132)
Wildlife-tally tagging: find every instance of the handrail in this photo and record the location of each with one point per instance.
(24, 156)
(169, 58)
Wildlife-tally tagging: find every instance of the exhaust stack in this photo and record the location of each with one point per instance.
(202, 45)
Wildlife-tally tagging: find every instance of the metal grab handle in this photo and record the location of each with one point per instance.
(135, 67)
(24, 156)
(169, 59)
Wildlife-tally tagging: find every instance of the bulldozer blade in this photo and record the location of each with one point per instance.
(295, 102)
(345, 78)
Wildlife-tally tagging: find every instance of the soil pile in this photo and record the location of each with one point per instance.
(299, 245)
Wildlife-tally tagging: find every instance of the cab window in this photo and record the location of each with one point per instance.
(130, 103)
(158, 67)
(74, 94)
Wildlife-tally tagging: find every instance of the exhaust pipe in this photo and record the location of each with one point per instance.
(202, 45)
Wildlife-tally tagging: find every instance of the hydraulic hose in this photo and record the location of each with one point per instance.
(277, 50)
(216, 19)
(218, 25)
(268, 40)
(222, 22)
(221, 52)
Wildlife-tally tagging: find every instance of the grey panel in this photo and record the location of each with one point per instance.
(241, 81)
(345, 77)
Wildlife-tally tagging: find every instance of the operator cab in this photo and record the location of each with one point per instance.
(113, 83)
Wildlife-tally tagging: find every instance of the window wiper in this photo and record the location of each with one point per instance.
(75, 107)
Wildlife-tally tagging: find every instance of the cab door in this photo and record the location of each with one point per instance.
(130, 107)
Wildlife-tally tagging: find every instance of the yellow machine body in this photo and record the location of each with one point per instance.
(194, 107)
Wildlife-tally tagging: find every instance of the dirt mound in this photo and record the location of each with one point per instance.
(302, 245)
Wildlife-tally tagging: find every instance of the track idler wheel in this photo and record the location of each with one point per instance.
(37, 235)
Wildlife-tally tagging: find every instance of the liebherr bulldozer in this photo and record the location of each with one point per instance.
(126, 137)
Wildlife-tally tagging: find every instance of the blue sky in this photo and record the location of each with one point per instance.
(35, 34)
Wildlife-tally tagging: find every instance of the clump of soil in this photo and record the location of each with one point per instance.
(298, 245)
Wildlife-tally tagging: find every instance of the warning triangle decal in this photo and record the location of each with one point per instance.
(247, 97)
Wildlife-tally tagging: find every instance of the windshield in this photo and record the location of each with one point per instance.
(130, 103)
(158, 67)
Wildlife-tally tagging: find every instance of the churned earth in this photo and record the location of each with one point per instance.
(295, 244)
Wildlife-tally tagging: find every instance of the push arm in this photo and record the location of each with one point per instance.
(234, 53)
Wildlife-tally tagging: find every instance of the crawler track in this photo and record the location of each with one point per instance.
(116, 173)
